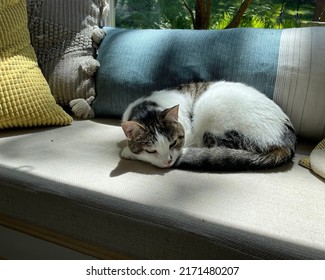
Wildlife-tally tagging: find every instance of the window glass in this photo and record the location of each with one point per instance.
(181, 14)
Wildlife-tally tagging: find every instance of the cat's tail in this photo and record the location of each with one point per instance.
(227, 159)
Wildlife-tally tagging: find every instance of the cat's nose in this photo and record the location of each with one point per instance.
(169, 161)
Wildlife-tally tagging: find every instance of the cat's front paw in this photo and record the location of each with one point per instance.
(127, 154)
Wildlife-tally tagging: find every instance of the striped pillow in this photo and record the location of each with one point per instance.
(300, 83)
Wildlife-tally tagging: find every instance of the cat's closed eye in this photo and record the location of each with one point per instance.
(172, 145)
(151, 151)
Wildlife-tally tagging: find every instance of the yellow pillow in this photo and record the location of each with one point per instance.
(25, 97)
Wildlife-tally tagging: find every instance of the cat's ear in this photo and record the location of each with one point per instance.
(171, 114)
(131, 128)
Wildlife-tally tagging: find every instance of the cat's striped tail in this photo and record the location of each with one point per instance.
(227, 159)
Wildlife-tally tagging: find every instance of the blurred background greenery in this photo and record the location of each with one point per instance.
(180, 14)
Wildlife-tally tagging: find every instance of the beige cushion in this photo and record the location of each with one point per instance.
(77, 181)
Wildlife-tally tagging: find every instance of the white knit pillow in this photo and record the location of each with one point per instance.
(61, 33)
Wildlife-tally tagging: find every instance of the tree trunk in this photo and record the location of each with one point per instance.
(201, 16)
(319, 14)
(239, 15)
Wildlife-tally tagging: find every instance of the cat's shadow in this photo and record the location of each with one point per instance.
(134, 166)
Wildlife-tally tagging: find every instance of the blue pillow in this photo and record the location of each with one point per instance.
(134, 63)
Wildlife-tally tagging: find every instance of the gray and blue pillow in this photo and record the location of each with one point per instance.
(280, 63)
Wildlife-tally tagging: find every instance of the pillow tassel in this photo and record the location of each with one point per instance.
(97, 36)
(81, 108)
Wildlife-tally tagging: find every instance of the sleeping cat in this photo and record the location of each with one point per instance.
(213, 126)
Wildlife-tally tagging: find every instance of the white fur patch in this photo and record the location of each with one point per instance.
(233, 106)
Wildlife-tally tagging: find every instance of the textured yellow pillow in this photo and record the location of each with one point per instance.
(25, 97)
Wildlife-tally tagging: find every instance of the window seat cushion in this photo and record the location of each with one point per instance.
(72, 181)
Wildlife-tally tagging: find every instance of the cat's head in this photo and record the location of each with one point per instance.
(157, 138)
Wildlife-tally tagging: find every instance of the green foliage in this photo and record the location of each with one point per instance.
(137, 14)
(269, 15)
(220, 21)
(173, 14)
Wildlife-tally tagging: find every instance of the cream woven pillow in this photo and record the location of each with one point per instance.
(25, 97)
(61, 36)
